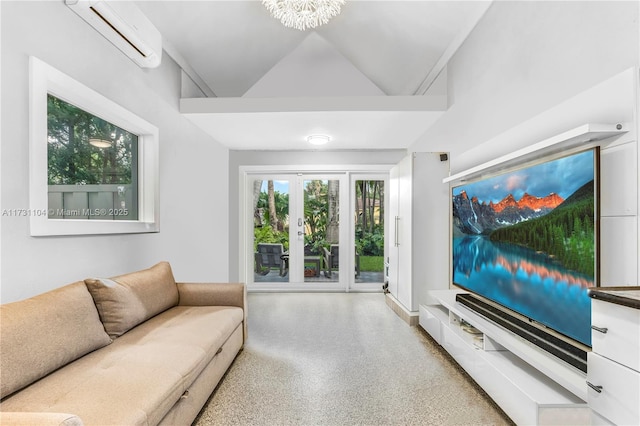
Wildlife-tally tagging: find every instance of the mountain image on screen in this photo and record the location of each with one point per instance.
(566, 235)
(473, 217)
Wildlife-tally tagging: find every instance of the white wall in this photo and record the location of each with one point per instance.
(316, 60)
(526, 57)
(193, 168)
(531, 70)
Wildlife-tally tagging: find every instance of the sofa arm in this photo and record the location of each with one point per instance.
(23, 418)
(215, 294)
(212, 294)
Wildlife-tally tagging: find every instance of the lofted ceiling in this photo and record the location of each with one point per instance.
(356, 78)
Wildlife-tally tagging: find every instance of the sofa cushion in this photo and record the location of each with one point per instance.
(127, 300)
(45, 332)
(141, 375)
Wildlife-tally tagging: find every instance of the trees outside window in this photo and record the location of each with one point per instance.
(91, 165)
(86, 150)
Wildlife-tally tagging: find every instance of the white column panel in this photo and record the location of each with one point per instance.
(619, 180)
(618, 251)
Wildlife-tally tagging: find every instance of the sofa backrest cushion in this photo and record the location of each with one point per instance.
(128, 300)
(41, 334)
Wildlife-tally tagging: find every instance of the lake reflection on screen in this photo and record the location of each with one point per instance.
(527, 282)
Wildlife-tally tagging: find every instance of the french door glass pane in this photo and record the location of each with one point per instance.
(321, 230)
(271, 230)
(369, 231)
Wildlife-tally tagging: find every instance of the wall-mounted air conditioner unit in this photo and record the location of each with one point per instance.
(124, 25)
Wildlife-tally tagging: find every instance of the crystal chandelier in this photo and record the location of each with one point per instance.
(303, 14)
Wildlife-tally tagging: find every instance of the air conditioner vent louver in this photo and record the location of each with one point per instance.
(125, 26)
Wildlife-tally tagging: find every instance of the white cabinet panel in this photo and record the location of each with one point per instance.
(619, 396)
(431, 324)
(394, 213)
(459, 349)
(618, 251)
(521, 408)
(621, 342)
(418, 218)
(404, 234)
(619, 180)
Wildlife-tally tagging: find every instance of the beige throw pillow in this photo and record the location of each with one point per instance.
(128, 300)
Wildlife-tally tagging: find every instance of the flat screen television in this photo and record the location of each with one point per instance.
(527, 240)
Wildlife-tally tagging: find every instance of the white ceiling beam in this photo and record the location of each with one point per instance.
(453, 47)
(186, 67)
(308, 104)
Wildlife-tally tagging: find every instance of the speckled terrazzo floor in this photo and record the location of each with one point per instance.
(342, 359)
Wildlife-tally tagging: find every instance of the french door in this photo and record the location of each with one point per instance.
(307, 231)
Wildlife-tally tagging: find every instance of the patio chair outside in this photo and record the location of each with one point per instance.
(269, 256)
(332, 260)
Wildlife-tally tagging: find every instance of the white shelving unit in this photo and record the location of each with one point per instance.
(530, 385)
(583, 137)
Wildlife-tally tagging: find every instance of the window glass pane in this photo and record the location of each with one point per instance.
(271, 230)
(321, 230)
(92, 166)
(369, 230)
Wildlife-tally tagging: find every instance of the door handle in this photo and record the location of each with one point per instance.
(397, 227)
(596, 388)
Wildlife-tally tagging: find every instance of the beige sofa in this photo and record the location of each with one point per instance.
(134, 349)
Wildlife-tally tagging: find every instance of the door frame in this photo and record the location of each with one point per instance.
(347, 206)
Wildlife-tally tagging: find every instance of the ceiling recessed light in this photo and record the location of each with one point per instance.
(100, 143)
(318, 139)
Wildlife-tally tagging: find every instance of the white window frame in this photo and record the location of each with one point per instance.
(45, 80)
